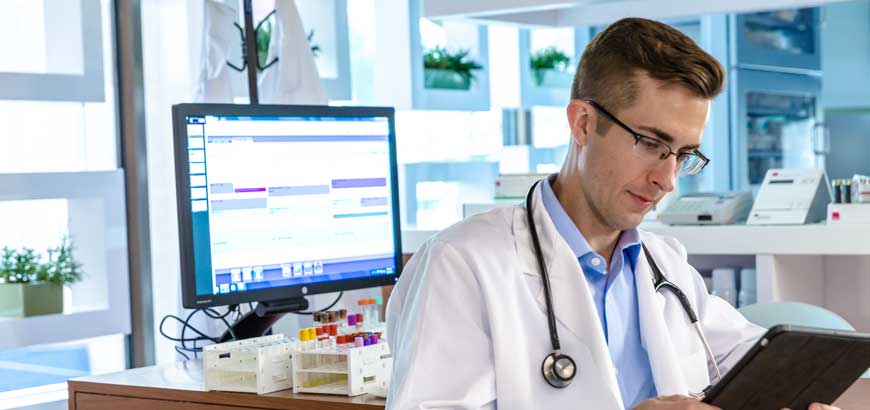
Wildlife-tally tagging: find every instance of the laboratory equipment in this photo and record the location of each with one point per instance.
(860, 189)
(708, 209)
(791, 196)
(851, 214)
(348, 368)
(279, 202)
(258, 365)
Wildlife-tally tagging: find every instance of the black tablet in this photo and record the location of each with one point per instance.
(791, 367)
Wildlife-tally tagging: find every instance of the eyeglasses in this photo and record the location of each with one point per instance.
(651, 149)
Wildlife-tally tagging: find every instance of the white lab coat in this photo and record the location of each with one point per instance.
(467, 321)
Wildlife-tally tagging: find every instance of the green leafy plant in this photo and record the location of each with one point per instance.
(550, 58)
(264, 36)
(27, 266)
(458, 62)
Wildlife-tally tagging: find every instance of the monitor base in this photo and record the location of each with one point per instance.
(259, 322)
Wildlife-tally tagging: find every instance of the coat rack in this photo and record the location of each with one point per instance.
(249, 50)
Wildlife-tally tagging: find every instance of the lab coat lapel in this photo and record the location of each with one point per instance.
(654, 332)
(572, 299)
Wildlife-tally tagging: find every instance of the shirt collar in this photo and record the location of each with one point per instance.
(629, 240)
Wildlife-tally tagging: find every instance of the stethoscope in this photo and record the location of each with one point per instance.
(559, 369)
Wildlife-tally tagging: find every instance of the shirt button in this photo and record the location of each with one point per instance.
(596, 261)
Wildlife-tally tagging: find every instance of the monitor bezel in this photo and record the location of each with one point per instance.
(190, 299)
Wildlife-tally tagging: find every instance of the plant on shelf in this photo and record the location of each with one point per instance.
(31, 285)
(443, 69)
(550, 67)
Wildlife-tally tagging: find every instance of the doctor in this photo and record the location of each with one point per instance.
(553, 304)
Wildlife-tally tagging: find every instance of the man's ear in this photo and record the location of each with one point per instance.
(580, 121)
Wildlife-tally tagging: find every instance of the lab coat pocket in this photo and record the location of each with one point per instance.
(694, 368)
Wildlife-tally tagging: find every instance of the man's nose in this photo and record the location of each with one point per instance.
(664, 174)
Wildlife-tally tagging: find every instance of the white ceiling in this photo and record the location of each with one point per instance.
(556, 13)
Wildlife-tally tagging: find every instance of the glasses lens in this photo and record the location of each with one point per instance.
(650, 148)
(691, 165)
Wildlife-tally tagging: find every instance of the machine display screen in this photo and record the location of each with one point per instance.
(284, 201)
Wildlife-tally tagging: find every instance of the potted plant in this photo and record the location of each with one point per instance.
(31, 286)
(550, 68)
(443, 69)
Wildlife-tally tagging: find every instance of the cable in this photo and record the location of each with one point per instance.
(340, 294)
(184, 348)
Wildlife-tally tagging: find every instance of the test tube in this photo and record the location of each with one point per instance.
(379, 304)
(373, 313)
(351, 324)
(359, 321)
(333, 335)
(847, 191)
(358, 341)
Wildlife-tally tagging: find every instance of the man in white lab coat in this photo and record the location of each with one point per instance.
(468, 320)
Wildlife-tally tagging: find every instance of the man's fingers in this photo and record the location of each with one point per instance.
(820, 406)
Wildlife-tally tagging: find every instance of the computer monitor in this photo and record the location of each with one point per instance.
(278, 202)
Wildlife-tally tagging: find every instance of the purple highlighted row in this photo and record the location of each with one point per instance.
(358, 183)
(240, 190)
(373, 201)
(299, 138)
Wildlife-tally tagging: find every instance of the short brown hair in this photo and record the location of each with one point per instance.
(633, 46)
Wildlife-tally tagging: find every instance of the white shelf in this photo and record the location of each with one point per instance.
(816, 239)
(27, 331)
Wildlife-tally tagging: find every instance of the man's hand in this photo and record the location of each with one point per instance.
(676, 403)
(820, 406)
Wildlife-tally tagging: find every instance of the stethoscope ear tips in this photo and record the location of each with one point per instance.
(559, 369)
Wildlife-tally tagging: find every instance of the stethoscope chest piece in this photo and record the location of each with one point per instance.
(559, 369)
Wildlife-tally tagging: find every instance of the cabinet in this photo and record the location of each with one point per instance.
(846, 55)
(776, 123)
(786, 38)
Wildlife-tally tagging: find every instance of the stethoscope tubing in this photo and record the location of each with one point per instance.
(660, 282)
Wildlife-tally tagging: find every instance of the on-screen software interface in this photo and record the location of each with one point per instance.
(282, 201)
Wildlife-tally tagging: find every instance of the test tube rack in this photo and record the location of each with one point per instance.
(258, 365)
(342, 370)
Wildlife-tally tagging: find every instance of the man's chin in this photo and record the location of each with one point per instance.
(628, 221)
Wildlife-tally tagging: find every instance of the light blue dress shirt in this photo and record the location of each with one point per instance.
(615, 295)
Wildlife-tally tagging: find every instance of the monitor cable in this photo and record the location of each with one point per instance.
(191, 344)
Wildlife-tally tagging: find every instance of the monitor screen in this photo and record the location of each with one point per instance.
(278, 202)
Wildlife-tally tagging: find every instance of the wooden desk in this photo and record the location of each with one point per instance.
(180, 387)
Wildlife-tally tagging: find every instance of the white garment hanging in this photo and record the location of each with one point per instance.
(214, 84)
(294, 78)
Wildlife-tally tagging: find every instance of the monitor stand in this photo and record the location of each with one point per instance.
(259, 321)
